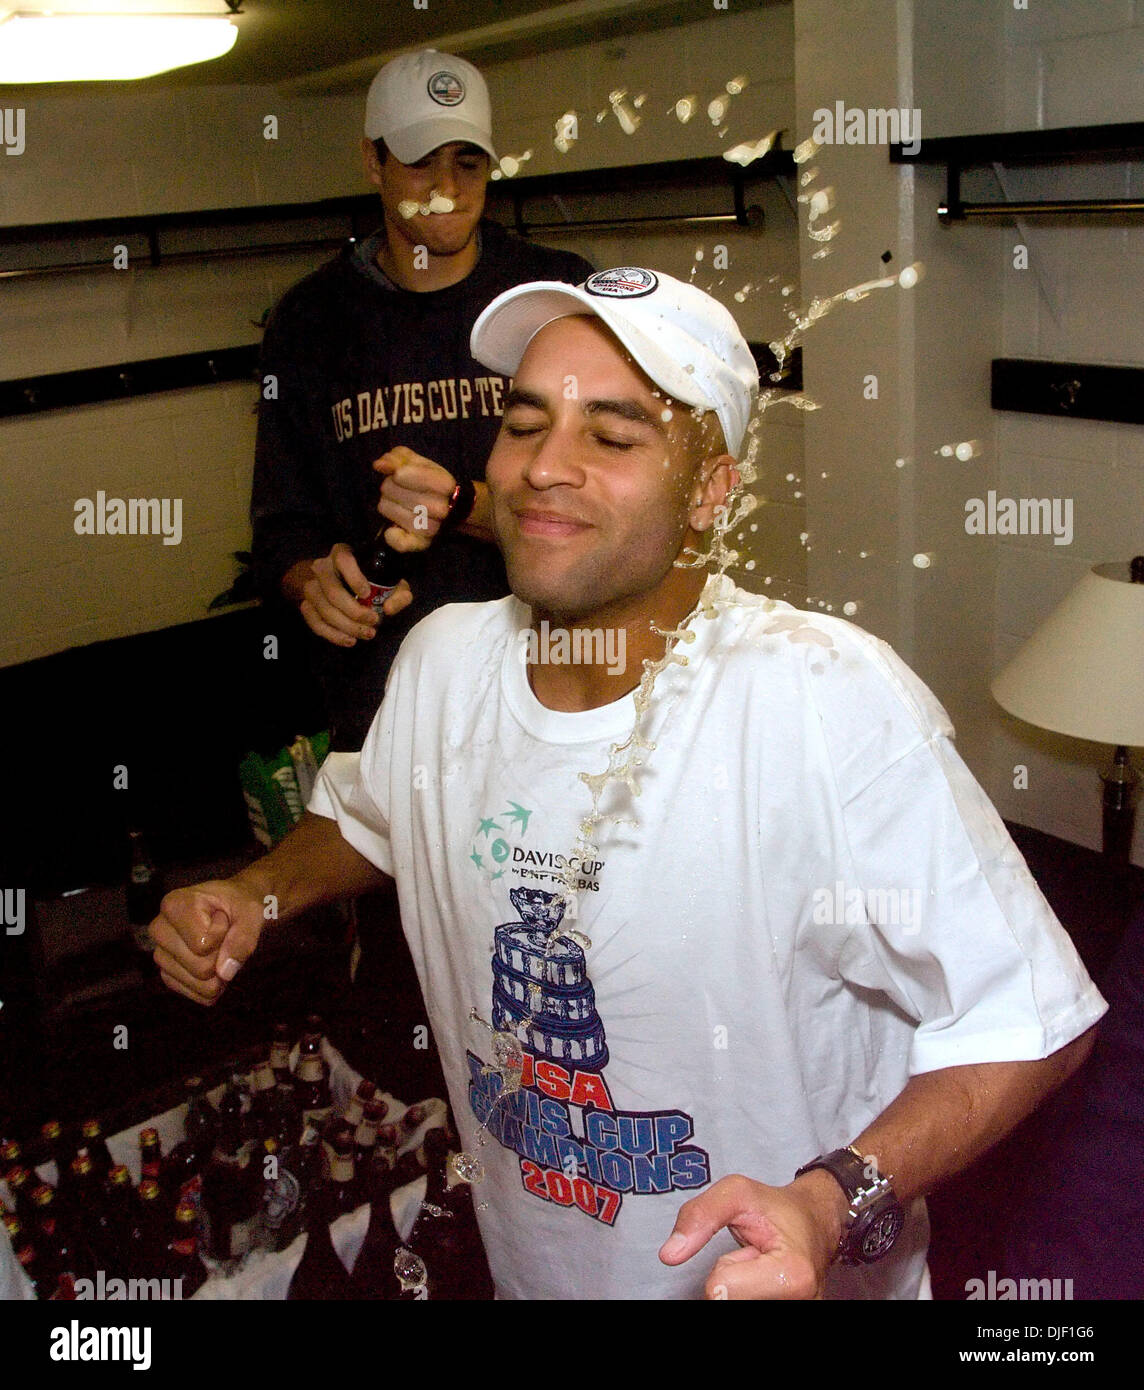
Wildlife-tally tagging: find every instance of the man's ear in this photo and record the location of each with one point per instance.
(717, 476)
(369, 159)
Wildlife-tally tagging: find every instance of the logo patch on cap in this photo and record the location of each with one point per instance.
(624, 282)
(446, 88)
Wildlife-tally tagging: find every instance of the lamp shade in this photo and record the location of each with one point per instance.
(1082, 671)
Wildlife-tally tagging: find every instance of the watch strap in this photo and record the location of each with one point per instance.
(875, 1217)
(461, 504)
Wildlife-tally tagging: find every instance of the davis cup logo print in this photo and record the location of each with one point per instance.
(447, 89)
(625, 282)
(576, 1149)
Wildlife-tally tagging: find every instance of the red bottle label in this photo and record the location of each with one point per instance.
(378, 593)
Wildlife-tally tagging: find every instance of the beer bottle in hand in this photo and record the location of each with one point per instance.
(383, 569)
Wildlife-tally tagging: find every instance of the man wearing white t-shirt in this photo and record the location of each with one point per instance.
(740, 961)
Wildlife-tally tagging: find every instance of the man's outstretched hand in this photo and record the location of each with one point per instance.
(788, 1235)
(203, 935)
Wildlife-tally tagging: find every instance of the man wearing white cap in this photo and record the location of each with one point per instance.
(377, 404)
(758, 990)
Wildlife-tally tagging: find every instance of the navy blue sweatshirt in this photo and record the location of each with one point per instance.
(361, 366)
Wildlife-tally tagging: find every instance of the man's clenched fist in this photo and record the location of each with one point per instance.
(203, 935)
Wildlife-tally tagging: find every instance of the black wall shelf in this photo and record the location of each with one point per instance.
(1071, 145)
(1077, 389)
(35, 394)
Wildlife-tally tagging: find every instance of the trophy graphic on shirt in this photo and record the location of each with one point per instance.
(541, 991)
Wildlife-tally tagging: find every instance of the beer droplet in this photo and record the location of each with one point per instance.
(409, 1269)
(467, 1167)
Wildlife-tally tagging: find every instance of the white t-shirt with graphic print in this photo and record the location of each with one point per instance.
(809, 901)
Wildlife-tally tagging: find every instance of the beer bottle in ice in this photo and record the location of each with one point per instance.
(92, 1139)
(280, 1054)
(229, 1195)
(320, 1273)
(182, 1259)
(312, 1078)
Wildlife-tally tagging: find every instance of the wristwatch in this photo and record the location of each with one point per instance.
(461, 504)
(875, 1217)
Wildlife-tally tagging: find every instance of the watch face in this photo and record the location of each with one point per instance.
(876, 1237)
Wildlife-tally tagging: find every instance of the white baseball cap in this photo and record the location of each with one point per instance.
(687, 342)
(423, 100)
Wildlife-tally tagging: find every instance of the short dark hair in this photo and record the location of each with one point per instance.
(381, 149)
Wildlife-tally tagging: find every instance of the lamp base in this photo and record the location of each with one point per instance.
(1120, 784)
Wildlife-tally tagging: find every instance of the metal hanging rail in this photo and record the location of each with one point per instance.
(161, 239)
(1081, 144)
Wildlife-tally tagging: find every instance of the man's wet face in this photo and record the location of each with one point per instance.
(457, 172)
(590, 477)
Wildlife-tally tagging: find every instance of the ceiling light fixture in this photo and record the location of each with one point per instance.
(52, 47)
